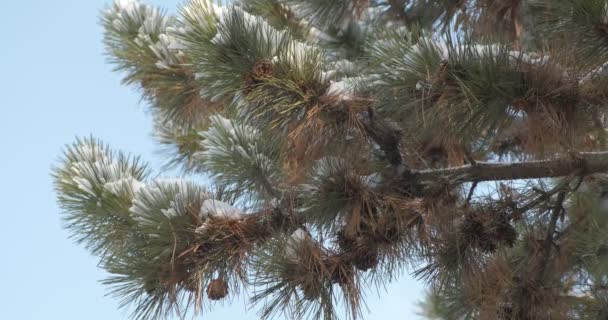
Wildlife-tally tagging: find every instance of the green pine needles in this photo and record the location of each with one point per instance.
(347, 142)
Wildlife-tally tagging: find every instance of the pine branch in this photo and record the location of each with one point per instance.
(286, 136)
(581, 163)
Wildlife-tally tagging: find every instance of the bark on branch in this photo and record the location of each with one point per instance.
(578, 163)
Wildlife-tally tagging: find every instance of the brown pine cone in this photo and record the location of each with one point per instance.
(217, 289)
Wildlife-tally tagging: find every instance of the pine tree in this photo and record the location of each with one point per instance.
(349, 141)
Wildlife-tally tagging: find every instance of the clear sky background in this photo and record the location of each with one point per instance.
(54, 86)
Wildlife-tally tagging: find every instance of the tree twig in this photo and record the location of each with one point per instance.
(526, 297)
(540, 199)
(546, 250)
(470, 195)
(387, 137)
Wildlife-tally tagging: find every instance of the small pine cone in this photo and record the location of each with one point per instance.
(262, 69)
(502, 231)
(365, 259)
(217, 289)
(472, 228)
(344, 242)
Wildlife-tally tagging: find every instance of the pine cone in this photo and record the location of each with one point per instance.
(217, 289)
(472, 228)
(502, 231)
(262, 69)
(475, 232)
(365, 259)
(345, 243)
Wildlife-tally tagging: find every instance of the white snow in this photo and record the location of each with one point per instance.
(264, 31)
(328, 75)
(344, 65)
(197, 13)
(118, 25)
(373, 180)
(115, 187)
(154, 22)
(161, 65)
(218, 10)
(202, 228)
(315, 35)
(94, 168)
(483, 50)
(84, 185)
(218, 208)
(213, 137)
(129, 6)
(296, 52)
(152, 190)
(599, 71)
(299, 235)
(250, 22)
(218, 38)
(182, 185)
(340, 89)
(170, 213)
(167, 49)
(295, 239)
(89, 152)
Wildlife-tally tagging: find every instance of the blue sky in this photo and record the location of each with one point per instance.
(55, 85)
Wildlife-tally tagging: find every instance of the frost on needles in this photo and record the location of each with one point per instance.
(348, 142)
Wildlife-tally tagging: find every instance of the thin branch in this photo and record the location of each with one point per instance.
(526, 297)
(384, 134)
(470, 196)
(546, 195)
(546, 250)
